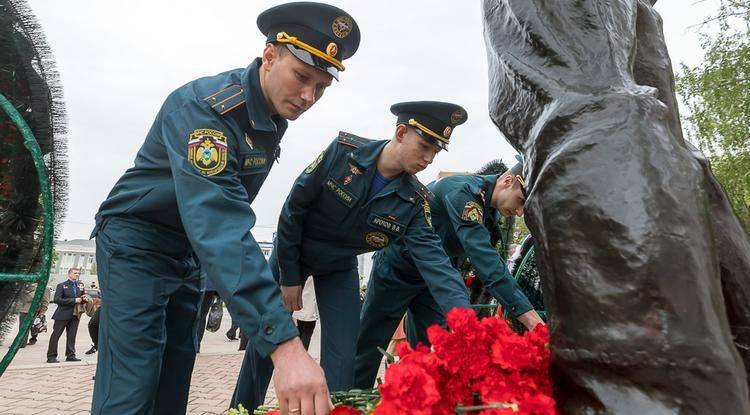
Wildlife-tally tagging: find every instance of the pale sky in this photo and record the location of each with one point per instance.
(119, 60)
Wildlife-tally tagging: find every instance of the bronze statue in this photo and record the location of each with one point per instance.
(647, 269)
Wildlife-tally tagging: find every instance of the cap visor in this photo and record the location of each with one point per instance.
(311, 60)
(439, 144)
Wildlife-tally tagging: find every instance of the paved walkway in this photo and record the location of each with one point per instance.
(30, 386)
(40, 390)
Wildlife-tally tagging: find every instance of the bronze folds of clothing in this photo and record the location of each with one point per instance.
(647, 268)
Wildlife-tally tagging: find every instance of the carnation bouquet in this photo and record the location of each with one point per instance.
(474, 367)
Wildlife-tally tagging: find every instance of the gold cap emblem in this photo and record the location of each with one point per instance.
(457, 116)
(342, 26)
(447, 132)
(332, 49)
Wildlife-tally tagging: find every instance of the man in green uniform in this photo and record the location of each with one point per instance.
(358, 196)
(465, 209)
(186, 204)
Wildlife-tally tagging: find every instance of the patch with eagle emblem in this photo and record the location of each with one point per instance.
(207, 151)
(473, 212)
(315, 162)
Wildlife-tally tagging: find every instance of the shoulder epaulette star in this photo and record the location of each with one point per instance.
(226, 99)
(351, 140)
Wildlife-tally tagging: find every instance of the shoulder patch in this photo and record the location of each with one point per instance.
(226, 99)
(351, 140)
(207, 151)
(427, 213)
(315, 162)
(473, 212)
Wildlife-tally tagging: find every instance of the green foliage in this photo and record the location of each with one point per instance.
(520, 231)
(55, 258)
(496, 166)
(717, 94)
(240, 410)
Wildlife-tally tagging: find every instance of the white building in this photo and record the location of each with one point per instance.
(81, 253)
(266, 248)
(78, 253)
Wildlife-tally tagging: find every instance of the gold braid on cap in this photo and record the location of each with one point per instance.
(521, 180)
(283, 37)
(415, 123)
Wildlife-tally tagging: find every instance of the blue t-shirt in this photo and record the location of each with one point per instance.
(378, 183)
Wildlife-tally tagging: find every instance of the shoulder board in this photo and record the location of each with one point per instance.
(351, 140)
(226, 99)
(422, 191)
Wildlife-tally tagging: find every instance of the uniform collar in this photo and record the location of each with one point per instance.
(488, 187)
(257, 110)
(366, 155)
(408, 187)
(405, 186)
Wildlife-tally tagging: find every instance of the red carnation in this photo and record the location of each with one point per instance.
(407, 386)
(473, 362)
(345, 410)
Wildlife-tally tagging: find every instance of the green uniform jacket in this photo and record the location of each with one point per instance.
(327, 219)
(206, 156)
(463, 219)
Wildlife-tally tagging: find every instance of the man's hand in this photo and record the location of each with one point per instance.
(530, 319)
(299, 382)
(78, 300)
(292, 296)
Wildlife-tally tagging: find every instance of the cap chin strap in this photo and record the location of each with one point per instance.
(415, 123)
(521, 180)
(283, 37)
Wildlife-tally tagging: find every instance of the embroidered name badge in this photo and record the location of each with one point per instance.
(207, 151)
(387, 224)
(343, 195)
(254, 162)
(376, 239)
(473, 212)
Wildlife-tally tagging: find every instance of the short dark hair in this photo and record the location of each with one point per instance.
(280, 48)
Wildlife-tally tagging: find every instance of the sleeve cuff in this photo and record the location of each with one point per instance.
(518, 307)
(458, 302)
(275, 328)
(290, 275)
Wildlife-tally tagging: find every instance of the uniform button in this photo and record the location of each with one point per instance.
(268, 330)
(513, 308)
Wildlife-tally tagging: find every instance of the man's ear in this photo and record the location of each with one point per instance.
(270, 55)
(507, 180)
(401, 131)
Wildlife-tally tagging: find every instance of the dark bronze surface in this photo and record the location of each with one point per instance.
(646, 265)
